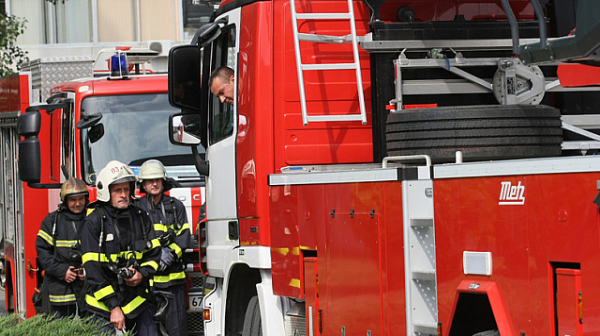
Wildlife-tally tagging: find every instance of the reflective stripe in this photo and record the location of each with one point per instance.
(131, 306)
(165, 228)
(155, 243)
(184, 227)
(46, 237)
(177, 249)
(62, 298)
(89, 211)
(150, 263)
(66, 243)
(104, 292)
(161, 227)
(101, 257)
(95, 303)
(129, 254)
(127, 309)
(169, 277)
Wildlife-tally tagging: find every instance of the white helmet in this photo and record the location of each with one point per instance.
(114, 172)
(154, 169)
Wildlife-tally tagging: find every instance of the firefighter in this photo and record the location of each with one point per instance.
(59, 252)
(173, 231)
(221, 84)
(120, 255)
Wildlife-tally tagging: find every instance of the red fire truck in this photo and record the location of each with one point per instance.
(85, 124)
(391, 168)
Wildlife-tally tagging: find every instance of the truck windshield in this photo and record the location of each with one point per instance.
(135, 130)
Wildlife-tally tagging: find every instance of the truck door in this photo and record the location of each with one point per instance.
(10, 191)
(222, 226)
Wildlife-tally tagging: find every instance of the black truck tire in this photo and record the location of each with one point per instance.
(252, 321)
(490, 132)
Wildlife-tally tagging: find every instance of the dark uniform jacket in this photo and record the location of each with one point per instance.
(173, 230)
(111, 240)
(58, 247)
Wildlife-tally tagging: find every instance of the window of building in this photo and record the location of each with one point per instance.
(48, 23)
(107, 21)
(195, 14)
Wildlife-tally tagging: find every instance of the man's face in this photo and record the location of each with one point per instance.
(76, 204)
(223, 90)
(153, 187)
(119, 195)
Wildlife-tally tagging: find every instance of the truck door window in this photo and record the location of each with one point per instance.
(68, 142)
(221, 115)
(55, 144)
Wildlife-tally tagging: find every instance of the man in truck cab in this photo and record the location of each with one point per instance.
(173, 231)
(59, 251)
(120, 255)
(221, 84)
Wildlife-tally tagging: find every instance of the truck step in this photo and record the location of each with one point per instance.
(424, 274)
(423, 327)
(421, 221)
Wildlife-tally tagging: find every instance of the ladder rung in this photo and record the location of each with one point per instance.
(423, 274)
(323, 38)
(323, 16)
(342, 117)
(329, 66)
(421, 221)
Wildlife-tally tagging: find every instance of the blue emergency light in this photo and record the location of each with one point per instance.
(118, 65)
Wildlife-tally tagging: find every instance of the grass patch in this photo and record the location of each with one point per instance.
(41, 325)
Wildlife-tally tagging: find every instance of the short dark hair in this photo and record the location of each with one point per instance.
(224, 73)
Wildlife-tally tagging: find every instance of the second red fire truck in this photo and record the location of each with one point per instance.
(85, 124)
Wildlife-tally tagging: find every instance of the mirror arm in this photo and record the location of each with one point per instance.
(44, 185)
(201, 165)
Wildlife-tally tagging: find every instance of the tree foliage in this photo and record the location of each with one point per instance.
(11, 55)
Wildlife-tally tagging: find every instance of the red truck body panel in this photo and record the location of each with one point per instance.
(360, 256)
(557, 225)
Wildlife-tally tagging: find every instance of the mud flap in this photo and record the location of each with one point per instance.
(41, 300)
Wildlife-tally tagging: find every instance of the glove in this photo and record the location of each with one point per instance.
(166, 258)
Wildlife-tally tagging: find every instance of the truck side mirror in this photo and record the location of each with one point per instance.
(184, 77)
(208, 33)
(28, 126)
(185, 129)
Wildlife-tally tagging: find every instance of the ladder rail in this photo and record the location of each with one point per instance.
(361, 96)
(299, 62)
(300, 67)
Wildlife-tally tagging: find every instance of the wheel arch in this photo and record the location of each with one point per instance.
(241, 287)
(479, 306)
